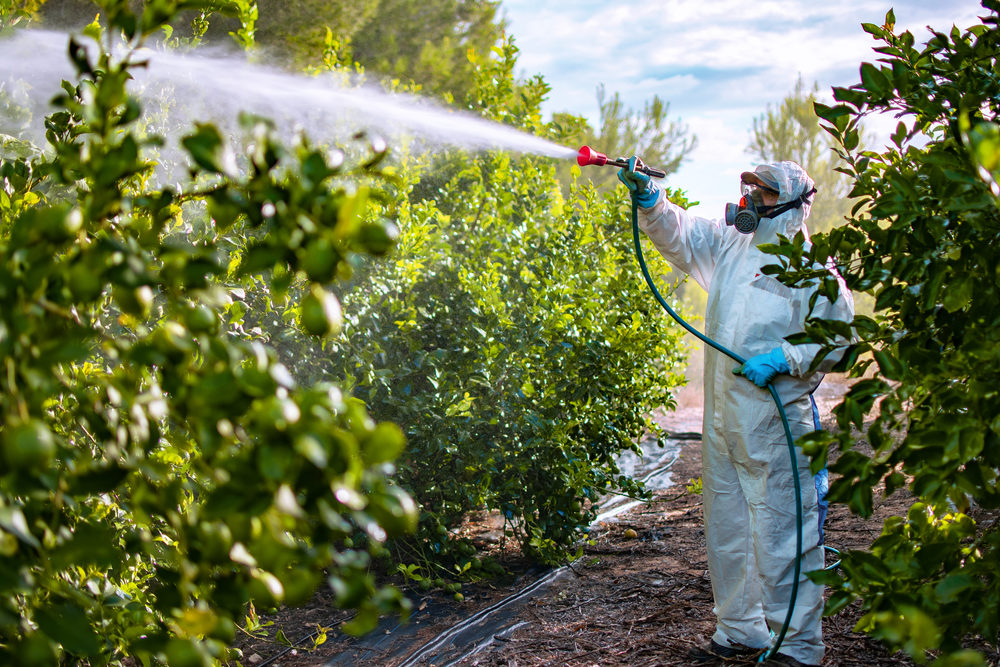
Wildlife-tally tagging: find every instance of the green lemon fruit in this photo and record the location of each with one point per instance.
(134, 301)
(200, 319)
(225, 630)
(320, 261)
(215, 539)
(378, 237)
(321, 315)
(84, 282)
(300, 587)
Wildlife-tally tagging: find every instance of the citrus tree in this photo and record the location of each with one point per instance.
(161, 468)
(922, 240)
(512, 340)
(508, 334)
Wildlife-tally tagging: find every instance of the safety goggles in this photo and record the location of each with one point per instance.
(754, 193)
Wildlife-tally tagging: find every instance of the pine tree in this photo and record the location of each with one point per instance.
(791, 131)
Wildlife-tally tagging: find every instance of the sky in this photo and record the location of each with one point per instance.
(718, 63)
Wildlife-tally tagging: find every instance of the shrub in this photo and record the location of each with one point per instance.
(160, 468)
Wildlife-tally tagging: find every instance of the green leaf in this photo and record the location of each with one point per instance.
(93, 30)
(838, 115)
(68, 625)
(91, 544)
(853, 96)
(12, 520)
(851, 139)
(889, 365)
(207, 148)
(894, 481)
(875, 80)
(873, 29)
(959, 294)
(80, 57)
(837, 602)
(223, 209)
(364, 622)
(259, 258)
(951, 587)
(900, 134)
(962, 658)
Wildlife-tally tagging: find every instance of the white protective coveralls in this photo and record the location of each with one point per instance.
(749, 497)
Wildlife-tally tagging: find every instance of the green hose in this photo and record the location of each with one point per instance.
(777, 401)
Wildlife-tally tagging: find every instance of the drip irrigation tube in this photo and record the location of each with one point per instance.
(448, 635)
(777, 401)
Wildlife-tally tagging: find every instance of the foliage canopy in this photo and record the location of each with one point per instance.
(922, 240)
(421, 43)
(159, 470)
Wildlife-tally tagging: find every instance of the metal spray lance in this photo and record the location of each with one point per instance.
(588, 156)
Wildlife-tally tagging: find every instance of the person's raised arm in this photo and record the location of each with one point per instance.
(689, 243)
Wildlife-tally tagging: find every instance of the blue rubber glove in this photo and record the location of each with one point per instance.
(638, 182)
(761, 369)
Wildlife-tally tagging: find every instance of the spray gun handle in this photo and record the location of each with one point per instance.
(640, 167)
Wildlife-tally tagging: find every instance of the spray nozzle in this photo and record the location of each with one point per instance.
(588, 156)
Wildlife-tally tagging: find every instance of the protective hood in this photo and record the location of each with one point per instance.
(792, 181)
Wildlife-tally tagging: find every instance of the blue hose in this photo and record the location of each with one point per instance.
(781, 412)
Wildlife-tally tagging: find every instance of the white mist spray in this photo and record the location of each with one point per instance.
(188, 87)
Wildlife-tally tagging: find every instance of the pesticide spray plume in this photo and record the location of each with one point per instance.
(214, 85)
(588, 156)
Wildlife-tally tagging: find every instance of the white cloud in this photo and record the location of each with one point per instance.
(676, 85)
(711, 175)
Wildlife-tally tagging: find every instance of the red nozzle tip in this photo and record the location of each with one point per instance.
(588, 155)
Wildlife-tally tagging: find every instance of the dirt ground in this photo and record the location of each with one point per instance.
(639, 596)
(647, 600)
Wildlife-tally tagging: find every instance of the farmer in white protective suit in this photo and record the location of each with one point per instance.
(749, 501)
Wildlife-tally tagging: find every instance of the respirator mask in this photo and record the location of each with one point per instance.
(746, 215)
